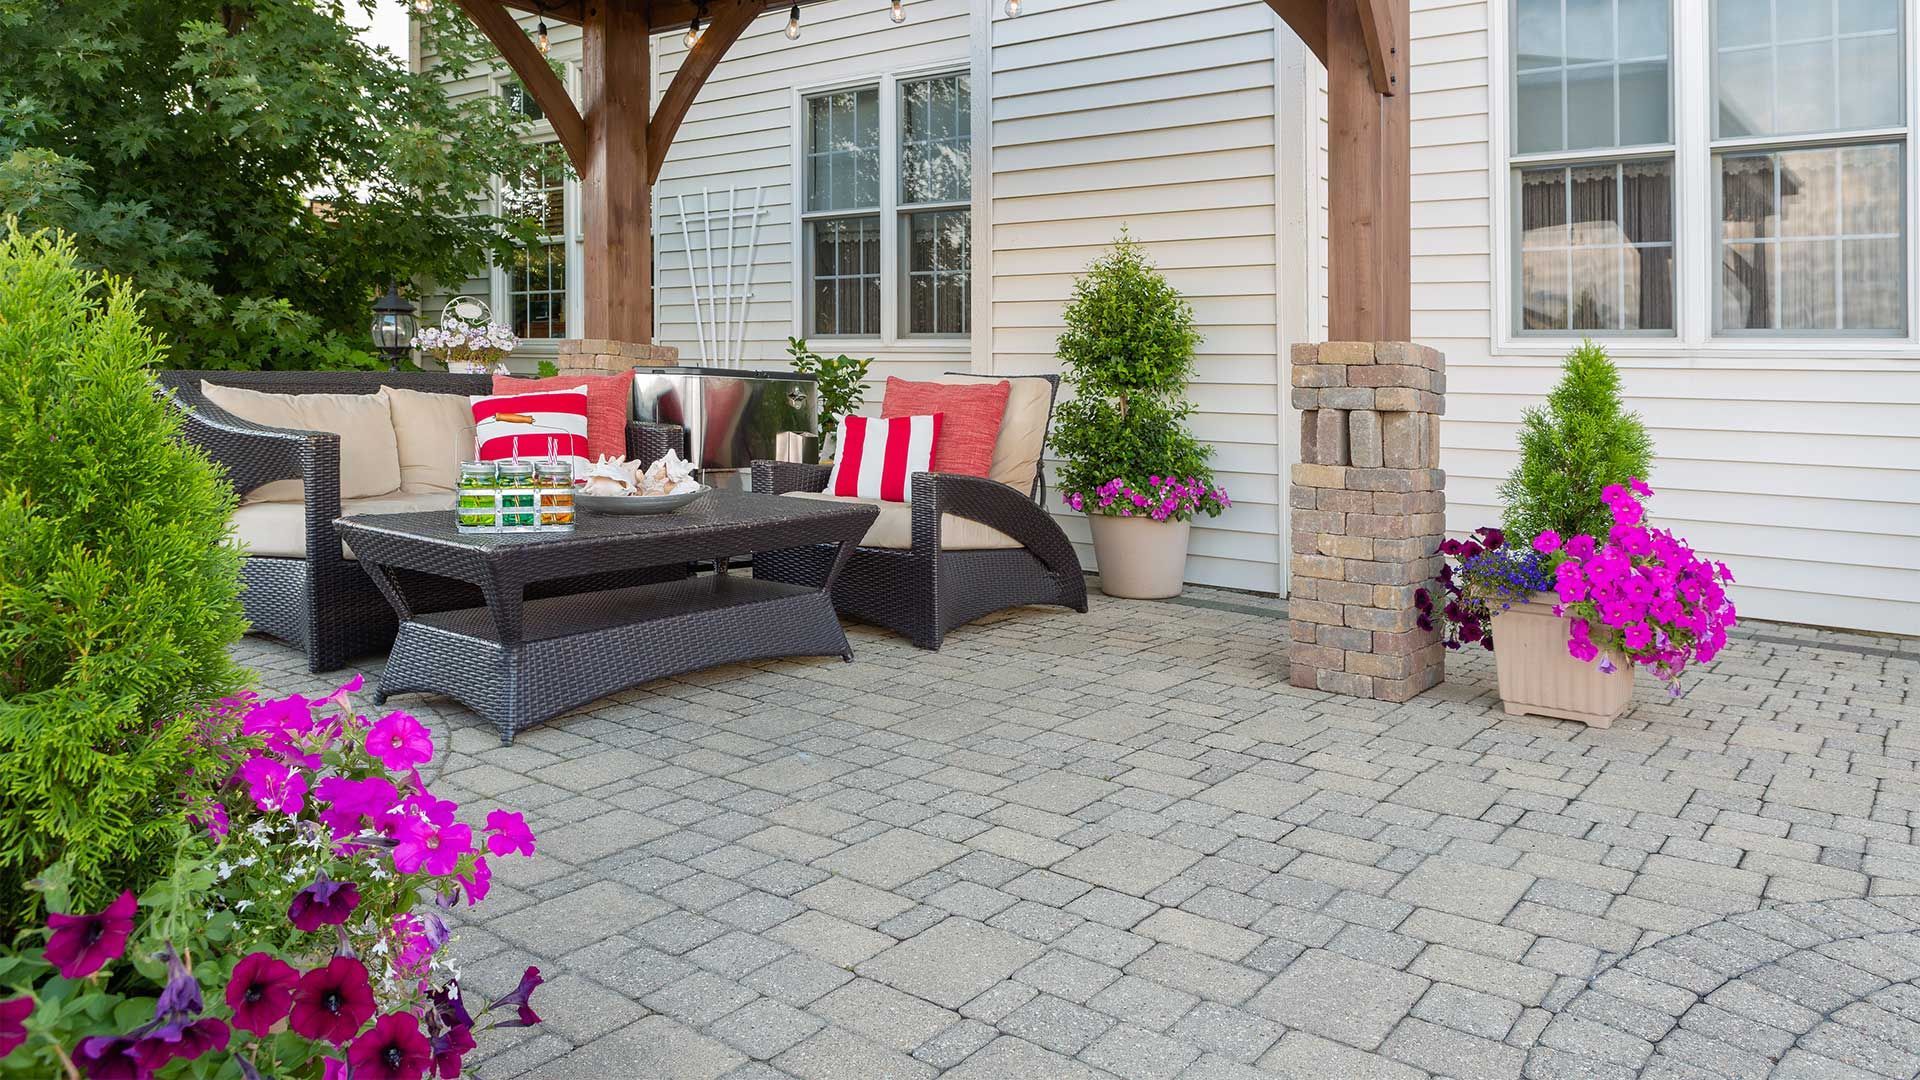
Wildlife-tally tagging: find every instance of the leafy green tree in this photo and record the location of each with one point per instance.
(118, 593)
(841, 382)
(1582, 440)
(255, 170)
(1128, 353)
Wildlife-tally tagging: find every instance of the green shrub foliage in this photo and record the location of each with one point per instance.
(118, 596)
(1582, 440)
(1128, 353)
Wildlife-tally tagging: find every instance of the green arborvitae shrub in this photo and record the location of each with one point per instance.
(1582, 440)
(1128, 353)
(118, 595)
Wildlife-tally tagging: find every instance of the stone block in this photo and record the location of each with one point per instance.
(1303, 631)
(1318, 656)
(1380, 620)
(1380, 666)
(1397, 690)
(1304, 676)
(1407, 502)
(1315, 611)
(1407, 352)
(1320, 521)
(1394, 596)
(1320, 476)
(1348, 397)
(1382, 526)
(1306, 541)
(1346, 592)
(1347, 502)
(1416, 547)
(1363, 438)
(1302, 498)
(1407, 399)
(1400, 479)
(1342, 546)
(1305, 399)
(1377, 572)
(1305, 353)
(1433, 442)
(1385, 375)
(1318, 566)
(1403, 440)
(1330, 443)
(599, 356)
(1345, 638)
(1319, 375)
(1346, 352)
(1344, 682)
(1403, 643)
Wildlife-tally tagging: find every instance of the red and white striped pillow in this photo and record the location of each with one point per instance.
(534, 422)
(878, 458)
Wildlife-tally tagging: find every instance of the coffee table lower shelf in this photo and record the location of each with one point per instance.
(577, 649)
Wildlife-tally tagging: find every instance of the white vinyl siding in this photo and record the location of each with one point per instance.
(1797, 463)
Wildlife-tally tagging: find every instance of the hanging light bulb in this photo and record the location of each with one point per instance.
(899, 11)
(424, 7)
(540, 37)
(1013, 8)
(693, 30)
(793, 24)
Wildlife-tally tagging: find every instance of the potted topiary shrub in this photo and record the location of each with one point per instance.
(1129, 462)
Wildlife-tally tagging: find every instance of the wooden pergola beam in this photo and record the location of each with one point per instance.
(1308, 21)
(1376, 27)
(729, 20)
(520, 54)
(572, 12)
(1369, 216)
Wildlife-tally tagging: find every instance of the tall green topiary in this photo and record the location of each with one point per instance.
(1128, 353)
(118, 596)
(1571, 449)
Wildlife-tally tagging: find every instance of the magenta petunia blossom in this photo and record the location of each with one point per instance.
(393, 1049)
(324, 903)
(110, 1057)
(449, 1048)
(187, 1042)
(353, 805)
(1547, 542)
(82, 944)
(273, 786)
(479, 883)
(521, 998)
(437, 848)
(332, 1002)
(261, 992)
(13, 1023)
(400, 742)
(508, 833)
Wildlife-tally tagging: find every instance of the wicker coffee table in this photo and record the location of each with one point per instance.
(518, 661)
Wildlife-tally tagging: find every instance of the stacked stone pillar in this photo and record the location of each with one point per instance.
(1369, 509)
(598, 356)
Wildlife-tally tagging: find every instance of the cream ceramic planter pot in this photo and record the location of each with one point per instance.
(1140, 558)
(1538, 678)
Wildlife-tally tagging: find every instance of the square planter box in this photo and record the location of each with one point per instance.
(1538, 678)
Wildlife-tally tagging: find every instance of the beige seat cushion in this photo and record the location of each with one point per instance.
(434, 433)
(280, 528)
(894, 527)
(1023, 427)
(369, 451)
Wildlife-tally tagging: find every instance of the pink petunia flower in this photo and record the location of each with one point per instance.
(437, 848)
(1547, 542)
(13, 1023)
(479, 883)
(508, 833)
(351, 804)
(273, 786)
(400, 742)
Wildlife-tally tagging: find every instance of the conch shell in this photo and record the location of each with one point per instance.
(668, 476)
(609, 476)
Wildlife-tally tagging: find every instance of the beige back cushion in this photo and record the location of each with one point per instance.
(1023, 427)
(369, 451)
(435, 433)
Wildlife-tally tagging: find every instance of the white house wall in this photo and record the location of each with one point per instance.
(1799, 467)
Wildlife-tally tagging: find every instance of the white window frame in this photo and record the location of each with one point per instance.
(1696, 226)
(893, 217)
(500, 295)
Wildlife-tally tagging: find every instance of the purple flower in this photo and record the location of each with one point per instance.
(13, 1023)
(508, 833)
(1547, 542)
(393, 1049)
(182, 1042)
(110, 1057)
(273, 786)
(332, 1002)
(261, 992)
(180, 1000)
(520, 999)
(1607, 666)
(324, 903)
(82, 944)
(351, 803)
(437, 848)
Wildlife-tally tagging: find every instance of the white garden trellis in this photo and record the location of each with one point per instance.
(719, 268)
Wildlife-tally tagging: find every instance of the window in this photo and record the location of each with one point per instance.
(1593, 166)
(1808, 152)
(887, 220)
(536, 276)
(514, 93)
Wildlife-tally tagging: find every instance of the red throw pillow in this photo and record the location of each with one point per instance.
(607, 398)
(878, 458)
(970, 425)
(534, 426)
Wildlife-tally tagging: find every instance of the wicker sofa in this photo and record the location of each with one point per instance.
(306, 589)
(964, 547)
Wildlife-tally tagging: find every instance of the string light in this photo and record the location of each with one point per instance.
(424, 7)
(693, 28)
(1013, 8)
(899, 11)
(540, 36)
(793, 24)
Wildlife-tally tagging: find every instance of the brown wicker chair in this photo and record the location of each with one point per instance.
(324, 603)
(923, 591)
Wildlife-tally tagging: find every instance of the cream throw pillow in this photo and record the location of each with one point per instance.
(369, 451)
(1023, 427)
(435, 434)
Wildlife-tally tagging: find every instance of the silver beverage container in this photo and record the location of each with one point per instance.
(733, 416)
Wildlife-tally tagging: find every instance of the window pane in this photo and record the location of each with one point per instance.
(936, 140)
(844, 259)
(1811, 239)
(1599, 80)
(843, 150)
(939, 272)
(1783, 67)
(1597, 247)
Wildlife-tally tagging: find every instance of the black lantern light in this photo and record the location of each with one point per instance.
(393, 326)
